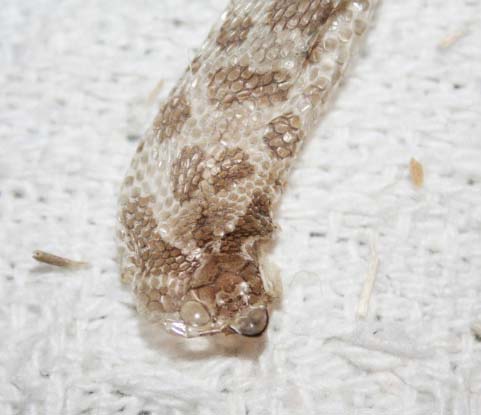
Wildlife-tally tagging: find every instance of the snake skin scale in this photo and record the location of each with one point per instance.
(196, 206)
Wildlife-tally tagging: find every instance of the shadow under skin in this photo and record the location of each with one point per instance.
(199, 348)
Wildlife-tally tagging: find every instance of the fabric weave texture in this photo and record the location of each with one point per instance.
(78, 83)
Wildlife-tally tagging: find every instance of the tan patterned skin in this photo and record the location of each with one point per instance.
(196, 206)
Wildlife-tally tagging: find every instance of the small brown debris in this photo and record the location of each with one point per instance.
(58, 261)
(451, 39)
(416, 172)
(369, 280)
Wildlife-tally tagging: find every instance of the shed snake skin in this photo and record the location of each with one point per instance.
(196, 206)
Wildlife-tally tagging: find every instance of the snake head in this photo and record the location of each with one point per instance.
(227, 295)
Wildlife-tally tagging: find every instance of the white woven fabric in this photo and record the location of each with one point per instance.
(75, 76)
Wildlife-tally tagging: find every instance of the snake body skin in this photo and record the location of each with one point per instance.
(196, 206)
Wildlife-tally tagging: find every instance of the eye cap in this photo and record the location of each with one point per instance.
(252, 323)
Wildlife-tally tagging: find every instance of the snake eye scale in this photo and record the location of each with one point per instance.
(196, 205)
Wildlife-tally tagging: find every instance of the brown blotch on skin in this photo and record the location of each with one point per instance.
(284, 134)
(229, 283)
(237, 84)
(186, 173)
(206, 224)
(320, 45)
(232, 165)
(150, 254)
(210, 222)
(305, 15)
(172, 116)
(256, 223)
(234, 30)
